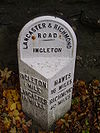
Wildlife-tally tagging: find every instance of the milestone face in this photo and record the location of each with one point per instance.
(46, 38)
(47, 50)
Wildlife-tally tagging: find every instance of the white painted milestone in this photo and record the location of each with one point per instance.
(46, 55)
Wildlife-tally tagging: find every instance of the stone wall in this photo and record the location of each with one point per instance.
(82, 15)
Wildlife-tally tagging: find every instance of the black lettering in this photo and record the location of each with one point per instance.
(60, 80)
(53, 91)
(63, 78)
(43, 25)
(61, 101)
(56, 82)
(61, 29)
(21, 76)
(44, 85)
(68, 39)
(35, 50)
(48, 50)
(30, 32)
(69, 45)
(44, 35)
(52, 49)
(60, 49)
(50, 35)
(56, 50)
(26, 39)
(35, 81)
(55, 26)
(26, 77)
(26, 47)
(45, 102)
(41, 50)
(64, 32)
(36, 27)
(44, 50)
(27, 35)
(39, 35)
(39, 25)
(33, 29)
(49, 25)
(71, 81)
(55, 35)
(66, 35)
(40, 83)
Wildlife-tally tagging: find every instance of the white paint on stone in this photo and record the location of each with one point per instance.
(46, 55)
(47, 67)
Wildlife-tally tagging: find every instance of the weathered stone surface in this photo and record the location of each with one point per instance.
(46, 55)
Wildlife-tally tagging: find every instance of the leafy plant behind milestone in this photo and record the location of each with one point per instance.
(83, 117)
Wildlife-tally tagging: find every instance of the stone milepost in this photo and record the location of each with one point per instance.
(46, 55)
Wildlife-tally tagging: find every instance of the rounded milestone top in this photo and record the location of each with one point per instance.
(47, 36)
